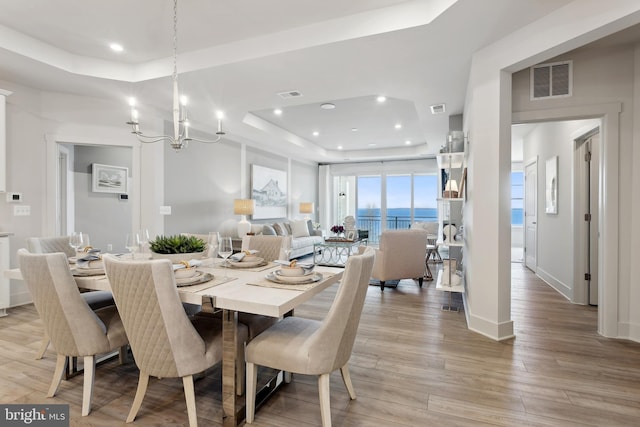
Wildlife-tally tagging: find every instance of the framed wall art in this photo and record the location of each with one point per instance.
(269, 190)
(109, 179)
(551, 188)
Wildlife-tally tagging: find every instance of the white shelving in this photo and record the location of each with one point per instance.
(442, 287)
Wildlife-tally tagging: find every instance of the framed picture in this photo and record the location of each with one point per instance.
(269, 190)
(109, 179)
(551, 188)
(351, 235)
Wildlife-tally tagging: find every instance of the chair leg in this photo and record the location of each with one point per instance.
(43, 346)
(122, 355)
(190, 397)
(252, 378)
(87, 389)
(381, 285)
(288, 377)
(61, 366)
(347, 381)
(143, 382)
(420, 280)
(325, 399)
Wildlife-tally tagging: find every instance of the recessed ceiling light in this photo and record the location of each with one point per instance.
(116, 47)
(354, 129)
(339, 147)
(277, 111)
(407, 142)
(398, 126)
(372, 144)
(381, 98)
(327, 106)
(316, 133)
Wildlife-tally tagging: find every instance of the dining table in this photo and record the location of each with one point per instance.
(233, 289)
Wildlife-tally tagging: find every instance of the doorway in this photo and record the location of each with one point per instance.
(586, 178)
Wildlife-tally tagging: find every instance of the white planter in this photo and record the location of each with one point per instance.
(176, 258)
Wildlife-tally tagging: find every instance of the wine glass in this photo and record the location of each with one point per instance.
(214, 238)
(132, 244)
(225, 249)
(76, 241)
(143, 237)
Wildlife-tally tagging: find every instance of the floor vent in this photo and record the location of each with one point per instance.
(290, 94)
(551, 80)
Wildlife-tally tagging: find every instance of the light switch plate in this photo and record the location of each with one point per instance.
(165, 210)
(22, 210)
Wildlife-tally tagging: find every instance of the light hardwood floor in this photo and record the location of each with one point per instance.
(412, 365)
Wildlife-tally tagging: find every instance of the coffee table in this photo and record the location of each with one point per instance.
(335, 252)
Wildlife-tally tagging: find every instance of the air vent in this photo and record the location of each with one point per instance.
(551, 80)
(290, 94)
(437, 109)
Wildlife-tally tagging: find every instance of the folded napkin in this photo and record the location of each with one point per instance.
(304, 265)
(93, 259)
(187, 264)
(237, 257)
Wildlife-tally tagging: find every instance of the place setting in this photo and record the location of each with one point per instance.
(89, 264)
(292, 275)
(247, 260)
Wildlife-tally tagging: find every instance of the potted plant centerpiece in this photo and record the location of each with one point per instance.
(177, 248)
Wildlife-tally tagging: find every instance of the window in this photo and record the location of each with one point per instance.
(517, 198)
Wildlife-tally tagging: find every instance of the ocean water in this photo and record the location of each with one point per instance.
(424, 214)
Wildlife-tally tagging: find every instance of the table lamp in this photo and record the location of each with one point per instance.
(243, 207)
(306, 208)
(451, 190)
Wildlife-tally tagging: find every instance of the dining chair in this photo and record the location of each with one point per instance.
(165, 342)
(95, 299)
(401, 254)
(270, 248)
(312, 347)
(74, 328)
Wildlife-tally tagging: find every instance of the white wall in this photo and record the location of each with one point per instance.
(488, 119)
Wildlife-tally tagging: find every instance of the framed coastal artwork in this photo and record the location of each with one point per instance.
(551, 189)
(109, 179)
(269, 190)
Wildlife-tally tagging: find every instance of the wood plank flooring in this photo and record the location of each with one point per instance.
(412, 365)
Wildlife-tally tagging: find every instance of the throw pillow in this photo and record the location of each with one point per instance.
(268, 230)
(280, 229)
(312, 232)
(288, 227)
(300, 228)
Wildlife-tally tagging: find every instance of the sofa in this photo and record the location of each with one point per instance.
(301, 232)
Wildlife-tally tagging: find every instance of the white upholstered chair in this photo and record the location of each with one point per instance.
(312, 347)
(432, 228)
(166, 343)
(95, 299)
(74, 328)
(401, 254)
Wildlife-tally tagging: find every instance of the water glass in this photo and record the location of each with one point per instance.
(132, 244)
(225, 249)
(212, 250)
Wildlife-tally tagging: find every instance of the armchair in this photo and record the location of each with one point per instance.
(401, 255)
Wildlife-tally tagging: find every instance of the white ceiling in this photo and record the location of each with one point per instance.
(237, 55)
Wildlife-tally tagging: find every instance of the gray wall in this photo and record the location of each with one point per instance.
(104, 216)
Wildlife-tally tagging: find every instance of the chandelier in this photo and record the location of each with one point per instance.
(180, 138)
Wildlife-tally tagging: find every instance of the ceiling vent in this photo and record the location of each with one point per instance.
(552, 80)
(290, 94)
(437, 109)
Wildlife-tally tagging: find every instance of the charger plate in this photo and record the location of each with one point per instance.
(293, 280)
(247, 264)
(199, 277)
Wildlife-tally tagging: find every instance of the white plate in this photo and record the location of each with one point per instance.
(294, 280)
(279, 273)
(199, 277)
(247, 264)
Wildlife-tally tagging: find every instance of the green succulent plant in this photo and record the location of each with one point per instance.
(177, 244)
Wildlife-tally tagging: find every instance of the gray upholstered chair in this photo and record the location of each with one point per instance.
(313, 347)
(165, 342)
(401, 254)
(95, 299)
(74, 328)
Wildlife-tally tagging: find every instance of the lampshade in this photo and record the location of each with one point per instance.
(243, 206)
(306, 207)
(451, 189)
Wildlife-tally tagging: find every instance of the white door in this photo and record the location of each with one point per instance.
(530, 215)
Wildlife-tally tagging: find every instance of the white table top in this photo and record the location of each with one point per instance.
(236, 294)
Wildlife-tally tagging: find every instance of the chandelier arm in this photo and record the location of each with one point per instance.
(207, 141)
(150, 139)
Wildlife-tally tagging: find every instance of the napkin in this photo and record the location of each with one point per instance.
(237, 257)
(191, 263)
(93, 259)
(306, 266)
